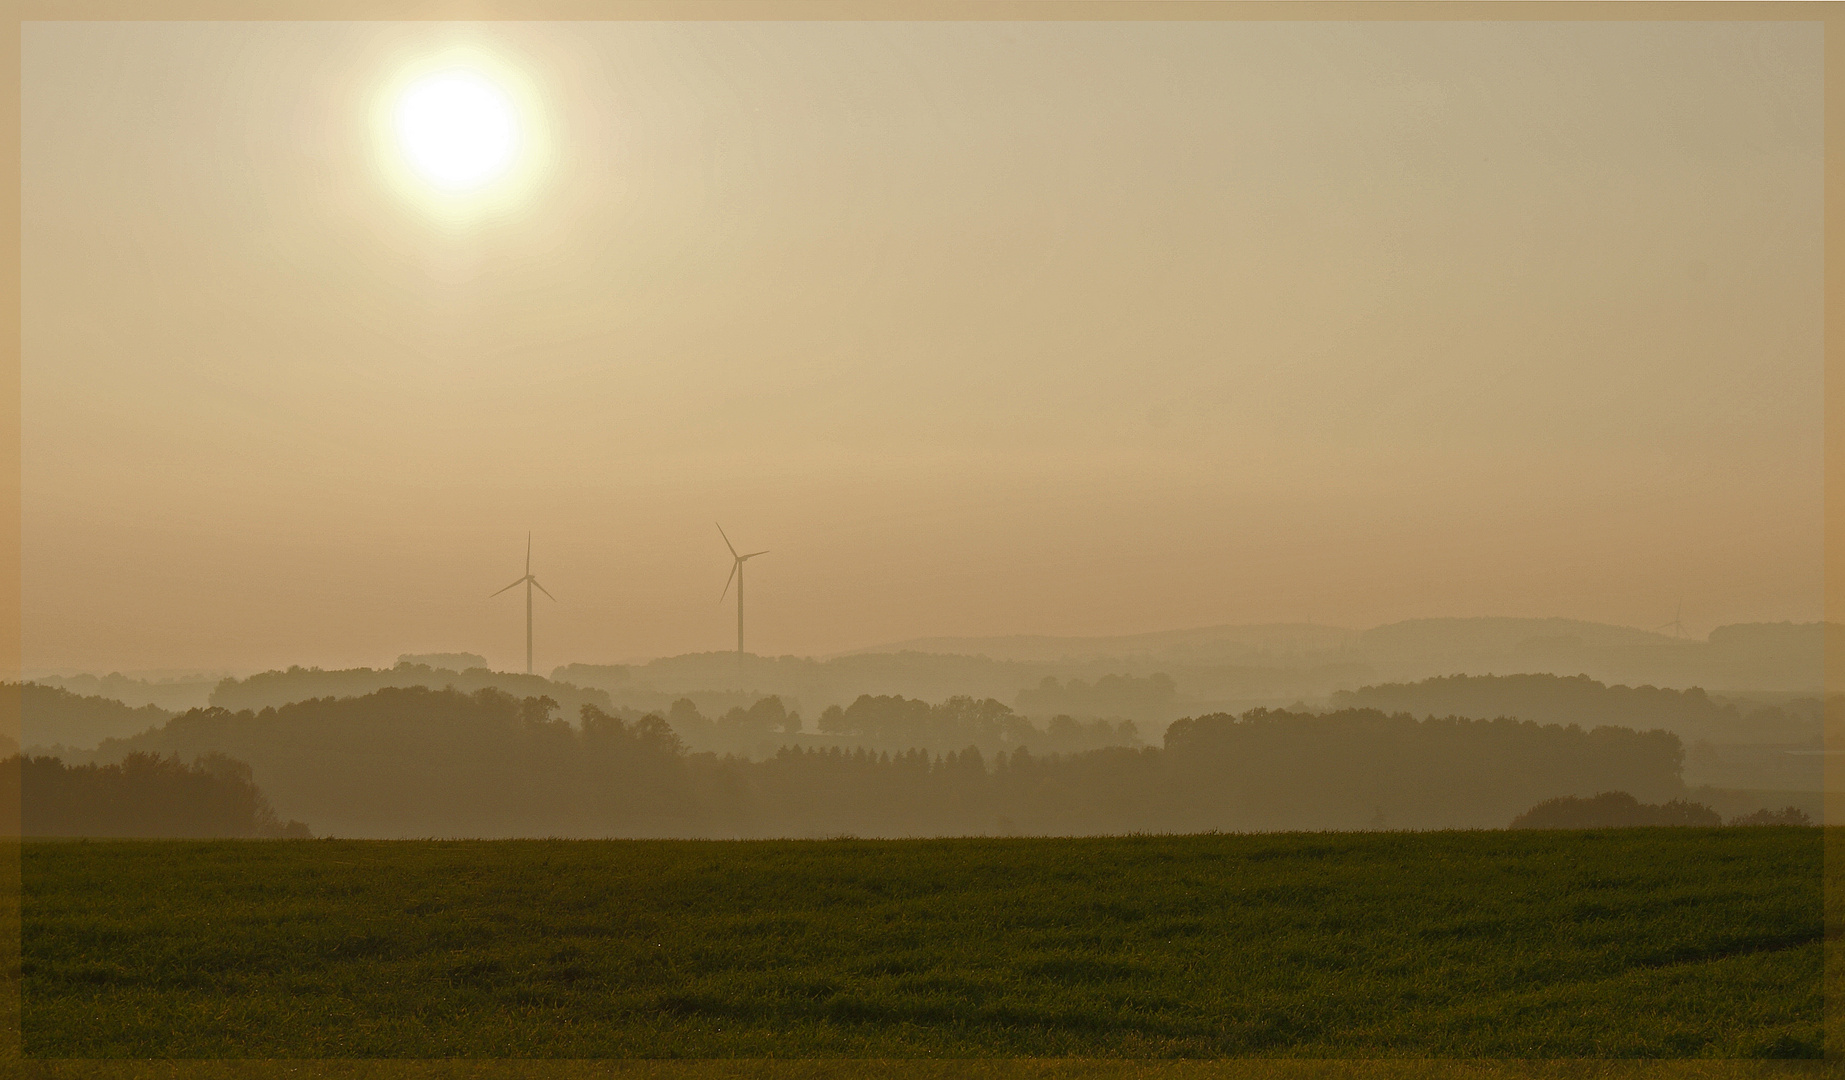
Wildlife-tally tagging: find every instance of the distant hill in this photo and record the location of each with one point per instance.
(1461, 637)
(1221, 668)
(1550, 699)
(813, 685)
(1731, 743)
(452, 661)
(54, 717)
(1229, 644)
(273, 689)
(1150, 678)
(1745, 656)
(172, 694)
(1149, 698)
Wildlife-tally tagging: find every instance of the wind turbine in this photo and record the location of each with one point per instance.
(1677, 625)
(529, 582)
(736, 572)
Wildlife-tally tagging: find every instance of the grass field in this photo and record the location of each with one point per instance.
(1627, 943)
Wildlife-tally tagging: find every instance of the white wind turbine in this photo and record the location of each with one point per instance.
(736, 573)
(529, 582)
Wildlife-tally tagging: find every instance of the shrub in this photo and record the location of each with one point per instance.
(1611, 810)
(1791, 815)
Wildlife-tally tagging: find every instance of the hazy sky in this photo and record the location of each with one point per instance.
(980, 328)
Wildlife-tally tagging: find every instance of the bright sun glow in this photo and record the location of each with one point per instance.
(458, 130)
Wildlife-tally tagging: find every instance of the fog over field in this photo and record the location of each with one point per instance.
(914, 743)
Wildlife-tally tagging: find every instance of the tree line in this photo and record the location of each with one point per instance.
(1580, 699)
(893, 722)
(420, 762)
(142, 795)
(1150, 698)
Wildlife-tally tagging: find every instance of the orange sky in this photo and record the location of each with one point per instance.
(980, 328)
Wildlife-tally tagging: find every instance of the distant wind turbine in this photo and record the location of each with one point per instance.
(1677, 624)
(530, 582)
(736, 573)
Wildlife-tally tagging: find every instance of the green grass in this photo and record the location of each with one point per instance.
(1624, 943)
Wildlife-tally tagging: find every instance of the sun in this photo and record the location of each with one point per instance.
(457, 129)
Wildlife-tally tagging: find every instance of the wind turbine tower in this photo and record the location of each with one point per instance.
(736, 573)
(530, 583)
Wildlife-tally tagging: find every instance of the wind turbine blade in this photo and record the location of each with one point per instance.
(727, 543)
(753, 554)
(528, 554)
(521, 581)
(728, 580)
(542, 589)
